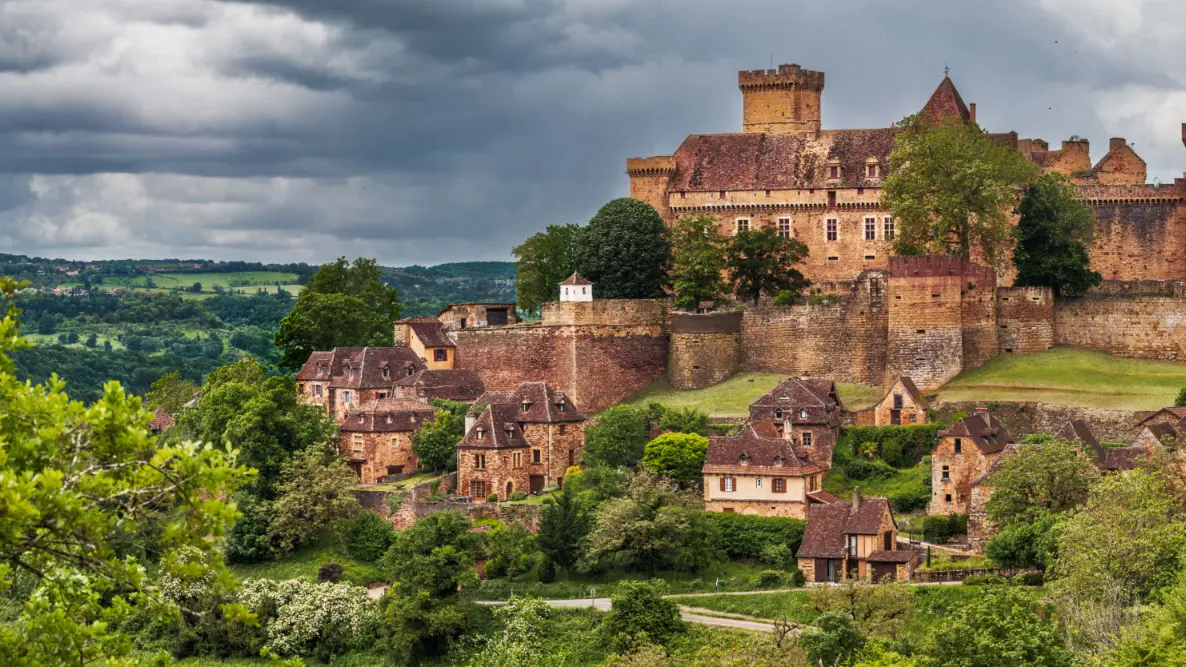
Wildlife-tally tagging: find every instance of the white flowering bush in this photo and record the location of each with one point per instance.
(304, 618)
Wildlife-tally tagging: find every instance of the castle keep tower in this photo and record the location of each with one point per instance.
(780, 101)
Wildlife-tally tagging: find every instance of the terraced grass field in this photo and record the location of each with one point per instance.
(1071, 376)
(732, 397)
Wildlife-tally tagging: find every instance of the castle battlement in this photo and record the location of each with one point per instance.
(786, 76)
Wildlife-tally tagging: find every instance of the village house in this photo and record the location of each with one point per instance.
(522, 442)
(803, 410)
(350, 376)
(426, 337)
(376, 437)
(902, 405)
(477, 314)
(769, 476)
(456, 384)
(855, 540)
(965, 452)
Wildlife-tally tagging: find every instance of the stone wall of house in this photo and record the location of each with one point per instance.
(1025, 317)
(844, 341)
(705, 349)
(596, 366)
(1147, 327)
(1023, 419)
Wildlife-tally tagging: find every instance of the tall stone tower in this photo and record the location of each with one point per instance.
(783, 100)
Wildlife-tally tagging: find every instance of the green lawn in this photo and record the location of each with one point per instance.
(732, 397)
(1071, 376)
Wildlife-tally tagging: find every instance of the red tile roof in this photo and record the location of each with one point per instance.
(387, 415)
(763, 455)
(945, 103)
(753, 161)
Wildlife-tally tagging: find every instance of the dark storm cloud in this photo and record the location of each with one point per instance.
(438, 130)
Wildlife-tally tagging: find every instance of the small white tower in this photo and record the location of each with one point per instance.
(576, 288)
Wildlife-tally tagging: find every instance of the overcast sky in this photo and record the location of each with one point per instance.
(425, 131)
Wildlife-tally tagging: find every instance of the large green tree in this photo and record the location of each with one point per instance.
(343, 305)
(951, 188)
(697, 261)
(763, 262)
(624, 251)
(1052, 236)
(79, 483)
(542, 262)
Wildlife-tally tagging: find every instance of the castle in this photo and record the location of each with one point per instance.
(823, 187)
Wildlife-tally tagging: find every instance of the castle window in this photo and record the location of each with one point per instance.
(780, 485)
(742, 225)
(537, 456)
(831, 227)
(870, 229)
(440, 355)
(889, 229)
(784, 227)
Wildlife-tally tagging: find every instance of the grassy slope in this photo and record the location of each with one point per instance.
(1071, 376)
(732, 397)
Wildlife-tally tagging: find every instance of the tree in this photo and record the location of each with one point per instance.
(762, 262)
(541, 262)
(77, 485)
(316, 491)
(679, 456)
(697, 261)
(171, 393)
(640, 614)
(1052, 236)
(1049, 478)
(1003, 626)
(951, 188)
(618, 437)
(624, 252)
(343, 305)
(435, 442)
(564, 524)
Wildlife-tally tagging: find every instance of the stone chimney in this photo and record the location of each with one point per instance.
(856, 498)
(972, 112)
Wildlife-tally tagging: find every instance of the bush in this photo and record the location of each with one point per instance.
(547, 571)
(898, 446)
(492, 498)
(518, 495)
(367, 536)
(770, 579)
(745, 536)
(331, 572)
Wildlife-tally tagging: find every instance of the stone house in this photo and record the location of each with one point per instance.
(857, 540)
(805, 411)
(522, 441)
(377, 437)
(347, 377)
(477, 314)
(902, 405)
(456, 384)
(426, 337)
(965, 452)
(751, 474)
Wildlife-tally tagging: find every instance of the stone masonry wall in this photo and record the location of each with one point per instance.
(596, 366)
(1146, 327)
(845, 341)
(1025, 316)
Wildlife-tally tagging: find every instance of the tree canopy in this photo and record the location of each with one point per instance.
(951, 188)
(1052, 236)
(624, 251)
(542, 262)
(697, 261)
(343, 305)
(763, 262)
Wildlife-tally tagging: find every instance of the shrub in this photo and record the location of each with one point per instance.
(770, 579)
(492, 498)
(368, 536)
(641, 613)
(745, 536)
(518, 495)
(331, 572)
(547, 571)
